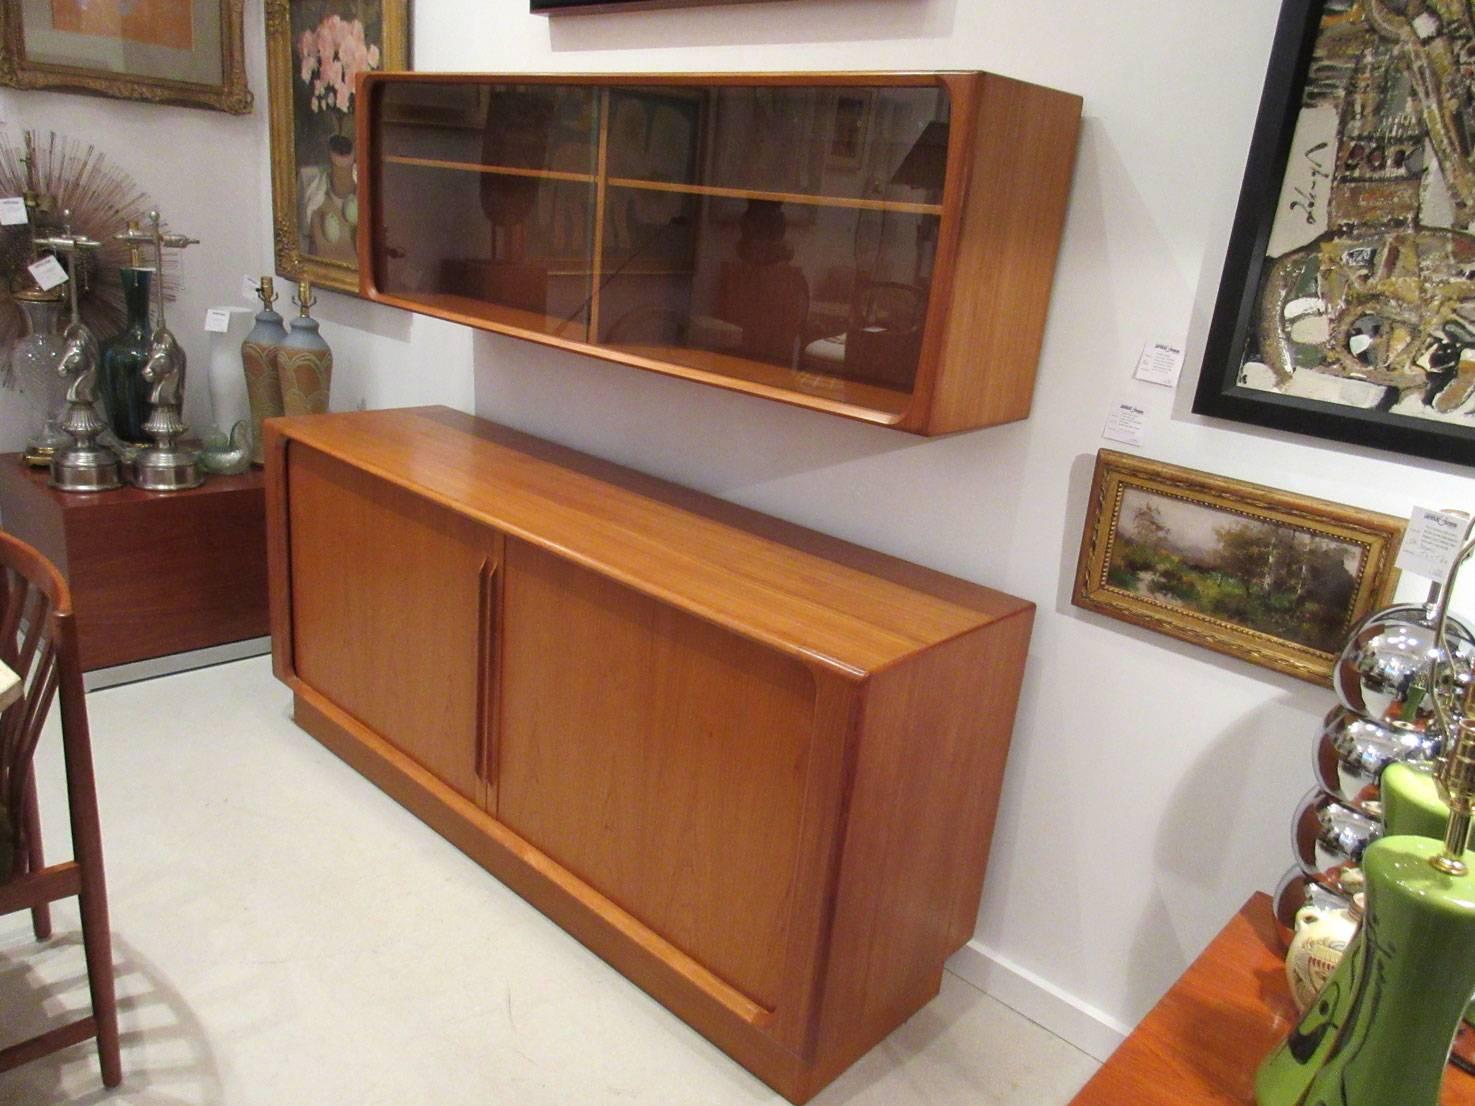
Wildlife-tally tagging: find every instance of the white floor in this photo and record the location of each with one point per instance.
(286, 935)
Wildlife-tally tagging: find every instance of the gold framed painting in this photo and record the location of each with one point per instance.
(1267, 576)
(186, 52)
(315, 50)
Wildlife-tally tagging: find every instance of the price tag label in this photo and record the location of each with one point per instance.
(1126, 422)
(1431, 542)
(249, 285)
(217, 320)
(13, 212)
(1160, 363)
(48, 273)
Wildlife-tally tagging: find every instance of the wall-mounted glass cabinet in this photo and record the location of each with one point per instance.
(879, 246)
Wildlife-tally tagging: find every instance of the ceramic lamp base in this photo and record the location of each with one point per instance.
(1379, 1032)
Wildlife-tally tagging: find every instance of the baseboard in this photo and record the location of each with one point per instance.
(1043, 1003)
(100, 678)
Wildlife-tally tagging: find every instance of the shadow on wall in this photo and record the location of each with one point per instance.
(755, 23)
(1230, 813)
(625, 414)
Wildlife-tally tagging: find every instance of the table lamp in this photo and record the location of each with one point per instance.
(1379, 1033)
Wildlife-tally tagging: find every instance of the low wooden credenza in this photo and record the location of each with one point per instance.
(753, 767)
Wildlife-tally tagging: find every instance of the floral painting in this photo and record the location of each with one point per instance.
(334, 43)
(317, 50)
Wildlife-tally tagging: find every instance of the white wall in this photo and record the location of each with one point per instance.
(1151, 783)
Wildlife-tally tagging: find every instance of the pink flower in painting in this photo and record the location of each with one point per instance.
(332, 57)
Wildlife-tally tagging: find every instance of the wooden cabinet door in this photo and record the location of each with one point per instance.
(391, 610)
(661, 759)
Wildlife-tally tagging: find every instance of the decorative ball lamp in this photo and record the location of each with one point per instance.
(1379, 1032)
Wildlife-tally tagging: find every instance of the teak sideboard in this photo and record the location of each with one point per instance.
(753, 767)
(874, 245)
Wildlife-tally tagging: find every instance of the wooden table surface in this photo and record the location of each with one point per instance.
(1200, 1045)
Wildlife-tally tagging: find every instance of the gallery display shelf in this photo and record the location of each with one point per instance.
(152, 574)
(874, 245)
(753, 767)
(1203, 1041)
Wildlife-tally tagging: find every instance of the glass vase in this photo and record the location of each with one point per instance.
(33, 365)
(121, 387)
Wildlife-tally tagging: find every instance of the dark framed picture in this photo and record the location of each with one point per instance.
(1270, 577)
(1346, 309)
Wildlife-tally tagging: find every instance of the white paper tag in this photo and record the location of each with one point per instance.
(217, 320)
(1160, 363)
(1126, 422)
(48, 273)
(249, 285)
(1431, 542)
(13, 212)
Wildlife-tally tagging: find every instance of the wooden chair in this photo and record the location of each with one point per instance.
(38, 642)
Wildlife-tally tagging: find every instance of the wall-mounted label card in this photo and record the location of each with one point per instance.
(1160, 363)
(1126, 422)
(48, 273)
(13, 212)
(249, 285)
(1431, 542)
(217, 320)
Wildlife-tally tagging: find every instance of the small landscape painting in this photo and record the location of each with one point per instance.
(1268, 576)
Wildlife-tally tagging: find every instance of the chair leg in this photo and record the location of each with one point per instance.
(97, 945)
(35, 858)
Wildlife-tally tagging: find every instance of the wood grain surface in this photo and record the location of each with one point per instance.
(753, 767)
(151, 573)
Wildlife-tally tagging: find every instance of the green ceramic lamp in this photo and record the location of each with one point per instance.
(1379, 1033)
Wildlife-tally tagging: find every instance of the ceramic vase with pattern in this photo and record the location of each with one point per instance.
(305, 362)
(259, 360)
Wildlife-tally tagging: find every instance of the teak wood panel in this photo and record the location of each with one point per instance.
(814, 597)
(151, 573)
(1007, 225)
(389, 607)
(860, 795)
(657, 757)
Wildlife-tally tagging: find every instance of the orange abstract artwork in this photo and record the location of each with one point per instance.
(154, 22)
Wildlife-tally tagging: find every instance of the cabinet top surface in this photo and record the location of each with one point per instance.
(15, 471)
(849, 608)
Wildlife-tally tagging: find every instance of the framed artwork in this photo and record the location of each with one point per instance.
(315, 50)
(186, 52)
(1269, 577)
(1346, 309)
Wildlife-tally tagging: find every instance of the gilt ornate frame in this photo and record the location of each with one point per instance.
(1178, 584)
(19, 70)
(291, 259)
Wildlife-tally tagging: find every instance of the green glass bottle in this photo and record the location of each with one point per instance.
(120, 384)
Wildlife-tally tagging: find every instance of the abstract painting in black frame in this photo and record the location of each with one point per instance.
(1346, 309)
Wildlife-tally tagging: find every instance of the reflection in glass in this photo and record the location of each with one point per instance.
(779, 234)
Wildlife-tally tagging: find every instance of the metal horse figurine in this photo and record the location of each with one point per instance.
(84, 465)
(165, 466)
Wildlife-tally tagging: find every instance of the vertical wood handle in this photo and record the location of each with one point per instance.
(486, 629)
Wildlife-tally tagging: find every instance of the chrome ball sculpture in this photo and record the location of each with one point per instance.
(1399, 680)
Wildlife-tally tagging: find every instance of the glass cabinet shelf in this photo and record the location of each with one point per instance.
(877, 246)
